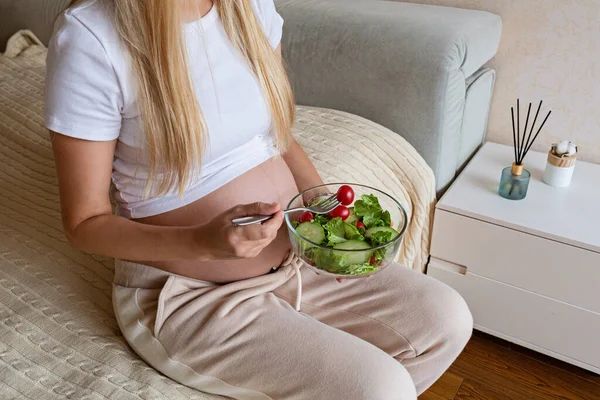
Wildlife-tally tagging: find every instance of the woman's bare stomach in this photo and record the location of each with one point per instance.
(269, 182)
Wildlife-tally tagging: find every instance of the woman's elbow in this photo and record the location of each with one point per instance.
(75, 232)
(73, 237)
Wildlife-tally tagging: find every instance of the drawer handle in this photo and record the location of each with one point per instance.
(447, 266)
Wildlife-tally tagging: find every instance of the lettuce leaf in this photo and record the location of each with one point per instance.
(327, 260)
(367, 201)
(360, 269)
(354, 269)
(379, 256)
(321, 219)
(331, 261)
(387, 219)
(379, 238)
(372, 220)
(335, 231)
(369, 209)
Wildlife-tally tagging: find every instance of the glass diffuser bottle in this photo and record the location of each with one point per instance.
(514, 182)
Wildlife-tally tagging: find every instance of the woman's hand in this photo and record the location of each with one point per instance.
(219, 239)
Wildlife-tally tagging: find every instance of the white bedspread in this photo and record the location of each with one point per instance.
(58, 335)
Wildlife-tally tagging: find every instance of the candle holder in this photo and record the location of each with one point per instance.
(514, 180)
(560, 165)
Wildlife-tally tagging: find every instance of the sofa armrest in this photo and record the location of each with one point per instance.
(401, 65)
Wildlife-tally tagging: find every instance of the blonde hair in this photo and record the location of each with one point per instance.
(175, 128)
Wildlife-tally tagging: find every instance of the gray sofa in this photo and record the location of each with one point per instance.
(415, 69)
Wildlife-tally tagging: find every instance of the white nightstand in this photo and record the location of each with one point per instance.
(529, 269)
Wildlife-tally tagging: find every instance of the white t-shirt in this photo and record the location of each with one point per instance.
(91, 95)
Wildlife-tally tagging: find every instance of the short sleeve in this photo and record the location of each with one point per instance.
(82, 97)
(271, 21)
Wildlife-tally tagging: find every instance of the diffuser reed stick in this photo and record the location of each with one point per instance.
(533, 125)
(522, 145)
(525, 130)
(512, 112)
(535, 137)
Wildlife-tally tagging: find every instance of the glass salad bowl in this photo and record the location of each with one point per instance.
(354, 241)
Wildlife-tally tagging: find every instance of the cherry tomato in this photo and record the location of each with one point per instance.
(359, 225)
(345, 195)
(306, 216)
(340, 211)
(373, 260)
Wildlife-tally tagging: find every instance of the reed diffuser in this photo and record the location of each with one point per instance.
(514, 181)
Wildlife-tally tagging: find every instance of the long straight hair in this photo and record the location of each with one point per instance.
(175, 128)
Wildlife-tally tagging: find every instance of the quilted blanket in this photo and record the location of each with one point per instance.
(58, 335)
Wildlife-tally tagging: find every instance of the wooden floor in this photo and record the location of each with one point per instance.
(490, 368)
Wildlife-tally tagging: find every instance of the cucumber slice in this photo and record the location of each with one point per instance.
(311, 231)
(350, 232)
(352, 218)
(374, 229)
(353, 257)
(352, 245)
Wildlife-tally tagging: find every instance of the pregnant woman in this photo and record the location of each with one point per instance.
(185, 107)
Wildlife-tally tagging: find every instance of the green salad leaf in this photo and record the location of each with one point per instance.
(316, 201)
(321, 219)
(369, 209)
(379, 256)
(332, 261)
(366, 201)
(354, 269)
(378, 239)
(327, 259)
(372, 220)
(382, 237)
(335, 231)
(387, 220)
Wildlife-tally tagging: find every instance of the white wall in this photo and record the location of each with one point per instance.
(550, 51)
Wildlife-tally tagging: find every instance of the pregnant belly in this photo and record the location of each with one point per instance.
(269, 182)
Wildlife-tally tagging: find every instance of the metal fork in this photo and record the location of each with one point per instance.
(323, 207)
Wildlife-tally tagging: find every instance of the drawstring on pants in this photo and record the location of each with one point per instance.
(295, 262)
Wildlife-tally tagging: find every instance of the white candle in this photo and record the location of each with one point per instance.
(559, 168)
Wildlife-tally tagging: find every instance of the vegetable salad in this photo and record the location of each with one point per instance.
(349, 235)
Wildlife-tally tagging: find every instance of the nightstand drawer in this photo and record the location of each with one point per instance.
(545, 325)
(562, 272)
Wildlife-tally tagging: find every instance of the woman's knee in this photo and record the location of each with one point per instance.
(393, 383)
(454, 317)
(379, 377)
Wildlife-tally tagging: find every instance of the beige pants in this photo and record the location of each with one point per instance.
(388, 337)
